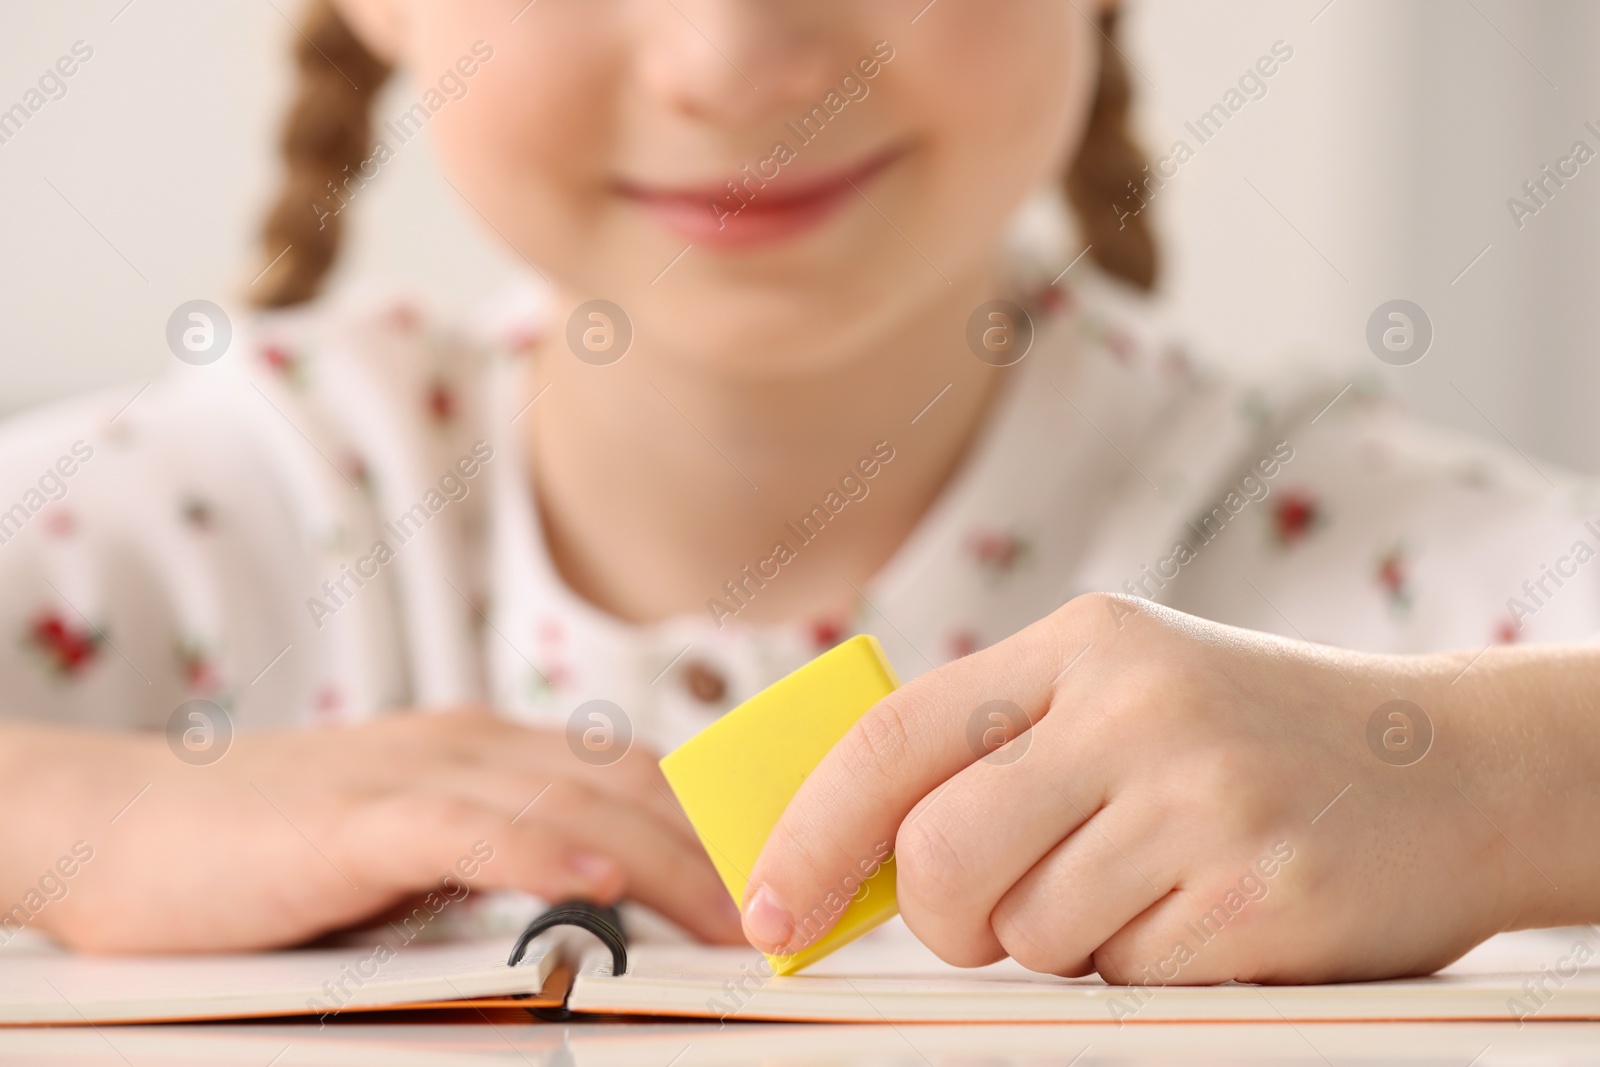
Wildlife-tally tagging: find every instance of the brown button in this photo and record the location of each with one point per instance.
(704, 683)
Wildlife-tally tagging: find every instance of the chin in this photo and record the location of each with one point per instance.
(771, 336)
(769, 348)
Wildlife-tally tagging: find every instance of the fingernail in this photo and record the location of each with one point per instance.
(596, 870)
(769, 927)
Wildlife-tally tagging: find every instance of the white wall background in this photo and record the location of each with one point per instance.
(1391, 142)
(1377, 166)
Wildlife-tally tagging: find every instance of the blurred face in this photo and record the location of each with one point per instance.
(764, 186)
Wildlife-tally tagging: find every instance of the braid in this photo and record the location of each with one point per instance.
(328, 129)
(1108, 161)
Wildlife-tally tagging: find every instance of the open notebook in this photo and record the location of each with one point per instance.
(886, 977)
(42, 984)
(889, 977)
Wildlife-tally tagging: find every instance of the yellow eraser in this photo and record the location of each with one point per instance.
(735, 777)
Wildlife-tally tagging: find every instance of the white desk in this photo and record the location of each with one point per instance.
(697, 1045)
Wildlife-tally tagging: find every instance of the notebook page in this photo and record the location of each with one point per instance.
(41, 983)
(891, 978)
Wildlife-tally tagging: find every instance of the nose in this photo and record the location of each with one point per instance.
(734, 62)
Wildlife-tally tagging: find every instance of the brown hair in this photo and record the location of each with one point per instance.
(328, 133)
(1108, 165)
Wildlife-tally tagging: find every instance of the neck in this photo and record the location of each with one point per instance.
(660, 480)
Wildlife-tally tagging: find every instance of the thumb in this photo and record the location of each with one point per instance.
(840, 826)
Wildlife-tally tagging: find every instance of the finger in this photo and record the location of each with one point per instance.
(582, 844)
(521, 793)
(637, 779)
(474, 741)
(670, 875)
(404, 843)
(635, 829)
(1176, 941)
(1247, 920)
(630, 773)
(1088, 888)
(900, 751)
(966, 844)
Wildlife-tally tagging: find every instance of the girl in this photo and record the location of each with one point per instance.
(780, 372)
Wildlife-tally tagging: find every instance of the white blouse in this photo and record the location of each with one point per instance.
(335, 521)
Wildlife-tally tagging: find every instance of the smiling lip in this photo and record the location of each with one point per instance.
(785, 208)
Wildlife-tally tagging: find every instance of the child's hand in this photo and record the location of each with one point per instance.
(1195, 803)
(294, 834)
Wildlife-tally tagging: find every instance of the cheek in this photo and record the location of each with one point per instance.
(529, 146)
(1003, 93)
(507, 136)
(997, 95)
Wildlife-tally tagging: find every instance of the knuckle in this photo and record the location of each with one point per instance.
(104, 928)
(1150, 699)
(1101, 614)
(958, 945)
(565, 794)
(1144, 953)
(1089, 608)
(637, 779)
(1024, 941)
(1116, 963)
(881, 739)
(448, 813)
(931, 870)
(644, 798)
(957, 952)
(631, 773)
